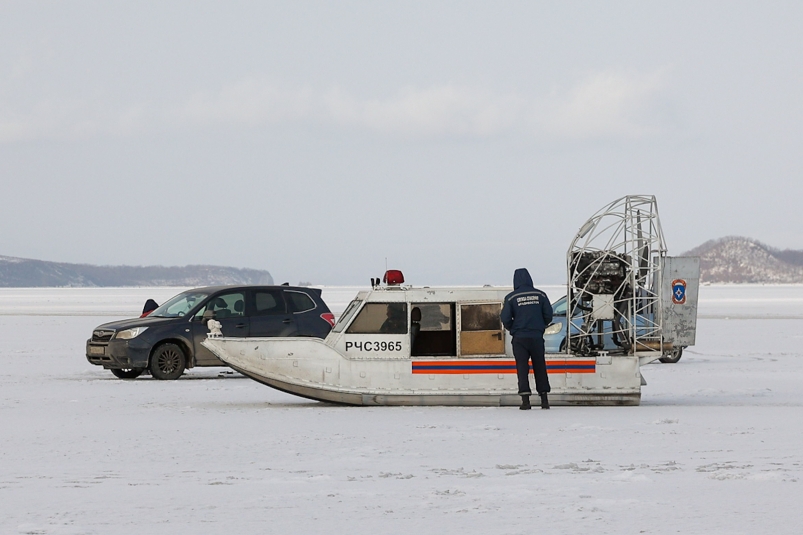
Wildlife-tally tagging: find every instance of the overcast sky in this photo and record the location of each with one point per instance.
(460, 140)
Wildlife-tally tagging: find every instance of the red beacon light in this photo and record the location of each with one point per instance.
(393, 277)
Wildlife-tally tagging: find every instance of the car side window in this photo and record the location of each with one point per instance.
(268, 302)
(301, 301)
(230, 305)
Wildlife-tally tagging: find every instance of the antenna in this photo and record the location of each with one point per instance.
(386, 264)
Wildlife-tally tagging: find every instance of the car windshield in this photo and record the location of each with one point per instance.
(179, 305)
(559, 307)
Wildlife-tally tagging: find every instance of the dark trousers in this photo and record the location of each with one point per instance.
(525, 349)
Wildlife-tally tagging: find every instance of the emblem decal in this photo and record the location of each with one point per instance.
(678, 291)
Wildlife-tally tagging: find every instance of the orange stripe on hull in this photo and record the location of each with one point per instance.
(465, 367)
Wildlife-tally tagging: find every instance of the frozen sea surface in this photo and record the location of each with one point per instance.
(715, 447)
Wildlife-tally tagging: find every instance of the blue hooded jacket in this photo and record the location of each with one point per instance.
(527, 310)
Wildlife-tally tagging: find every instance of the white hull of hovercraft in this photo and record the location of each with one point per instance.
(312, 369)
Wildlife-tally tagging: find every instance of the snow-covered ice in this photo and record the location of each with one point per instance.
(715, 447)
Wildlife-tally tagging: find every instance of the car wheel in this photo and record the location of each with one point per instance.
(168, 362)
(677, 352)
(127, 373)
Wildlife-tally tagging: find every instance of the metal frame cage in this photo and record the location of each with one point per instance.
(614, 280)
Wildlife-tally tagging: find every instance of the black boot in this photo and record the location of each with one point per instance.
(544, 401)
(525, 403)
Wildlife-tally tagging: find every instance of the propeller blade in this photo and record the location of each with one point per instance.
(644, 250)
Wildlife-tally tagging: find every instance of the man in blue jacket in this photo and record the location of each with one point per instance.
(526, 313)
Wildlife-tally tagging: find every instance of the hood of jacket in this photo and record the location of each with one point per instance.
(521, 278)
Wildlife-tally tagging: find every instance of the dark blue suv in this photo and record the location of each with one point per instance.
(168, 339)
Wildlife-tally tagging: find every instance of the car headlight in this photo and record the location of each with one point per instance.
(128, 334)
(554, 328)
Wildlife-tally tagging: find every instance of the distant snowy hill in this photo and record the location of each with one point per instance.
(736, 259)
(23, 272)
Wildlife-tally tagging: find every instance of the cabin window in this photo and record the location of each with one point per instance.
(380, 318)
(436, 334)
(346, 316)
(480, 317)
(481, 329)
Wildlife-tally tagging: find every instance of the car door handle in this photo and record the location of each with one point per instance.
(240, 325)
(288, 320)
